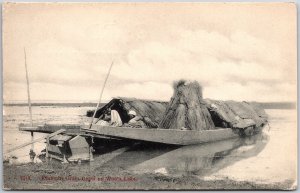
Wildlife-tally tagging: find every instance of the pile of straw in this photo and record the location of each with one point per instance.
(187, 110)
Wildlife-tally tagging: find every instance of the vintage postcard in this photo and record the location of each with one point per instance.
(149, 96)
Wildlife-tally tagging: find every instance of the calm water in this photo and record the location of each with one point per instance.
(268, 157)
(14, 115)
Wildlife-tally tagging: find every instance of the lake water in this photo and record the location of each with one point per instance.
(266, 158)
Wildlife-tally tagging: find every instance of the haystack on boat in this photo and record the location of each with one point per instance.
(243, 117)
(186, 119)
(151, 112)
(187, 109)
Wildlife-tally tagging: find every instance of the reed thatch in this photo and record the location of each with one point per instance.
(187, 110)
(236, 114)
(221, 114)
(259, 110)
(150, 111)
(245, 111)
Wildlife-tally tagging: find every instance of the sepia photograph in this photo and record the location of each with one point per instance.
(149, 96)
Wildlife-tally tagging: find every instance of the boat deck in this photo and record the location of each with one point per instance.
(50, 128)
(157, 135)
(167, 136)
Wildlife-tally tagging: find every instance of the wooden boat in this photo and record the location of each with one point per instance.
(249, 123)
(156, 135)
(212, 120)
(246, 125)
(166, 136)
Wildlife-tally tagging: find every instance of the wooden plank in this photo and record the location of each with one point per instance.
(36, 140)
(167, 136)
(61, 137)
(54, 149)
(50, 128)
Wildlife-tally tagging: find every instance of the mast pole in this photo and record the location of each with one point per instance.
(29, 100)
(101, 94)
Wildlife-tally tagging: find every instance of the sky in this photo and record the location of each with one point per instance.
(236, 51)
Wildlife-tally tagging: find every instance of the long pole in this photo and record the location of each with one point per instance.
(29, 101)
(36, 140)
(101, 94)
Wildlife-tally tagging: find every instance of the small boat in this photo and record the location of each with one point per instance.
(154, 111)
(165, 136)
(156, 135)
(187, 119)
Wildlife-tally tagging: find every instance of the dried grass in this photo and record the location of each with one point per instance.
(187, 109)
(150, 111)
(237, 114)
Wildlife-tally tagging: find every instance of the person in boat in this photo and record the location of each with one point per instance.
(110, 118)
(104, 119)
(139, 121)
(133, 117)
(115, 119)
(134, 120)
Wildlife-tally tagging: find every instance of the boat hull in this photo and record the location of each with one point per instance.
(157, 135)
(167, 136)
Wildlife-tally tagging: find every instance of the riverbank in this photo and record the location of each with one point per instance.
(56, 176)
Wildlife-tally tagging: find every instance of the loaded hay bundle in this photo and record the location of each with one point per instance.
(187, 110)
(237, 115)
(151, 112)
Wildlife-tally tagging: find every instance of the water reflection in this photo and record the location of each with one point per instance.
(199, 160)
(203, 159)
(135, 154)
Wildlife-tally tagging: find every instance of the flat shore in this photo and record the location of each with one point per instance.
(57, 176)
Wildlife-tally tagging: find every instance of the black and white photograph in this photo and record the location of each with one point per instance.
(149, 96)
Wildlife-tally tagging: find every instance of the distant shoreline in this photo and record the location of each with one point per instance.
(265, 105)
(279, 105)
(55, 104)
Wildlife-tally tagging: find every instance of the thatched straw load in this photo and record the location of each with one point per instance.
(151, 112)
(187, 110)
(221, 114)
(236, 114)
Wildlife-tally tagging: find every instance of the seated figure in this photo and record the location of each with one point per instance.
(110, 118)
(115, 119)
(139, 121)
(134, 120)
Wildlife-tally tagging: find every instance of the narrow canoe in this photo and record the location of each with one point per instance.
(166, 136)
(157, 135)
